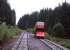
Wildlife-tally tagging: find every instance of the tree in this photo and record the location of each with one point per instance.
(5, 12)
(24, 22)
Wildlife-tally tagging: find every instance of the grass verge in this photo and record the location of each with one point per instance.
(7, 32)
(62, 41)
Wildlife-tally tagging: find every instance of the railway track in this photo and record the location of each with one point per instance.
(21, 43)
(53, 45)
(27, 42)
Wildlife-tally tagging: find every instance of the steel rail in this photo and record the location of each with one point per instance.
(52, 45)
(18, 42)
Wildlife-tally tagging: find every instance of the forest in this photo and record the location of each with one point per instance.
(6, 14)
(57, 20)
(7, 21)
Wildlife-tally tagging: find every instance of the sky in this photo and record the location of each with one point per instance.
(22, 7)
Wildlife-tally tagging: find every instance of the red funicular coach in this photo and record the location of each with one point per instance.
(39, 29)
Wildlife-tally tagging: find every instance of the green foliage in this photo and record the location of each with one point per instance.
(6, 32)
(31, 30)
(2, 31)
(49, 30)
(62, 41)
(65, 42)
(58, 30)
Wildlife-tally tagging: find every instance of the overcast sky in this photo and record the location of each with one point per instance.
(28, 6)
